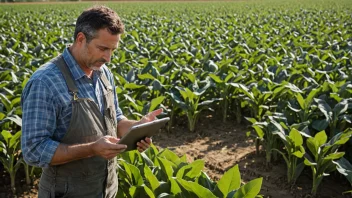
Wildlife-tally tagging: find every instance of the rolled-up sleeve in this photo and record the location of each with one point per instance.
(38, 124)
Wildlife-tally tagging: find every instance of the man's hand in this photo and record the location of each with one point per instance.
(144, 144)
(107, 147)
(150, 116)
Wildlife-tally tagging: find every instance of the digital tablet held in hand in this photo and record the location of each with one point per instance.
(141, 131)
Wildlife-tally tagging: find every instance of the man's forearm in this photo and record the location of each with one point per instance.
(67, 153)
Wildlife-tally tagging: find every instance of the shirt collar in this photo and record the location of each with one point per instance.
(74, 68)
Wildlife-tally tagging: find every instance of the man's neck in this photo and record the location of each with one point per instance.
(76, 56)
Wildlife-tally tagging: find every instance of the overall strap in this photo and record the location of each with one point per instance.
(60, 62)
(106, 82)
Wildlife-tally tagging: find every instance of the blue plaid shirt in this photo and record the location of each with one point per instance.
(47, 109)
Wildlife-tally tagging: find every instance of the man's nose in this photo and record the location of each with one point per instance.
(107, 55)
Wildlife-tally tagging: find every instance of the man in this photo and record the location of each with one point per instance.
(71, 118)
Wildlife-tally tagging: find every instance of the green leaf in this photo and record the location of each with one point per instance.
(296, 137)
(146, 76)
(345, 168)
(16, 119)
(340, 108)
(251, 189)
(156, 102)
(321, 138)
(320, 125)
(313, 146)
(309, 163)
(134, 33)
(231, 180)
(141, 192)
(197, 189)
(334, 156)
(205, 181)
(300, 101)
(132, 86)
(216, 78)
(298, 154)
(7, 136)
(324, 108)
(191, 171)
(133, 174)
(166, 167)
(175, 188)
(151, 178)
(169, 155)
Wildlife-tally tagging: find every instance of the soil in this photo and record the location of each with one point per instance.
(221, 146)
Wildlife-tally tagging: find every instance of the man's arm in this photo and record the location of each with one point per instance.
(105, 147)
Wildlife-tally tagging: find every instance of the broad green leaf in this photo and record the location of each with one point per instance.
(153, 181)
(156, 102)
(169, 155)
(296, 137)
(249, 190)
(321, 138)
(197, 189)
(175, 188)
(345, 168)
(231, 180)
(191, 171)
(166, 167)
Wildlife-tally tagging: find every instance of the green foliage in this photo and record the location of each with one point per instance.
(249, 59)
(294, 151)
(164, 174)
(10, 154)
(323, 153)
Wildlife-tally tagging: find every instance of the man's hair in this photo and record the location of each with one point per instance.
(96, 18)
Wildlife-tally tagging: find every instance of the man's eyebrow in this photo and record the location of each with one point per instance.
(104, 47)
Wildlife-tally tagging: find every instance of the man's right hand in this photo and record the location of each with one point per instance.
(107, 147)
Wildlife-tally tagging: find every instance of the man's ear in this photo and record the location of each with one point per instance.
(81, 38)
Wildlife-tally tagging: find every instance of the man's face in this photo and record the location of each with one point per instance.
(98, 51)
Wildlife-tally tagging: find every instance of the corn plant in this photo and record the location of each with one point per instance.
(267, 136)
(294, 151)
(10, 154)
(190, 101)
(303, 106)
(322, 155)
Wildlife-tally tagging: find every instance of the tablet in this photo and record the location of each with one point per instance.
(141, 131)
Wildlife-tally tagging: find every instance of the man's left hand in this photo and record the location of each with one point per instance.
(145, 144)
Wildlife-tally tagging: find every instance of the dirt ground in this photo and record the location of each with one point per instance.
(221, 146)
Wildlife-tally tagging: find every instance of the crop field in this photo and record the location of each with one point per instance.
(259, 94)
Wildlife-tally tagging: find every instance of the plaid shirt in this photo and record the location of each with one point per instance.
(47, 109)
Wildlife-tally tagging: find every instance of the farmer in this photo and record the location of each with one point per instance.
(71, 117)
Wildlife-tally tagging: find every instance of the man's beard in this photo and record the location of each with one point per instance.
(102, 61)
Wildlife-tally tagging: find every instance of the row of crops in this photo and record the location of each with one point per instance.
(285, 68)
